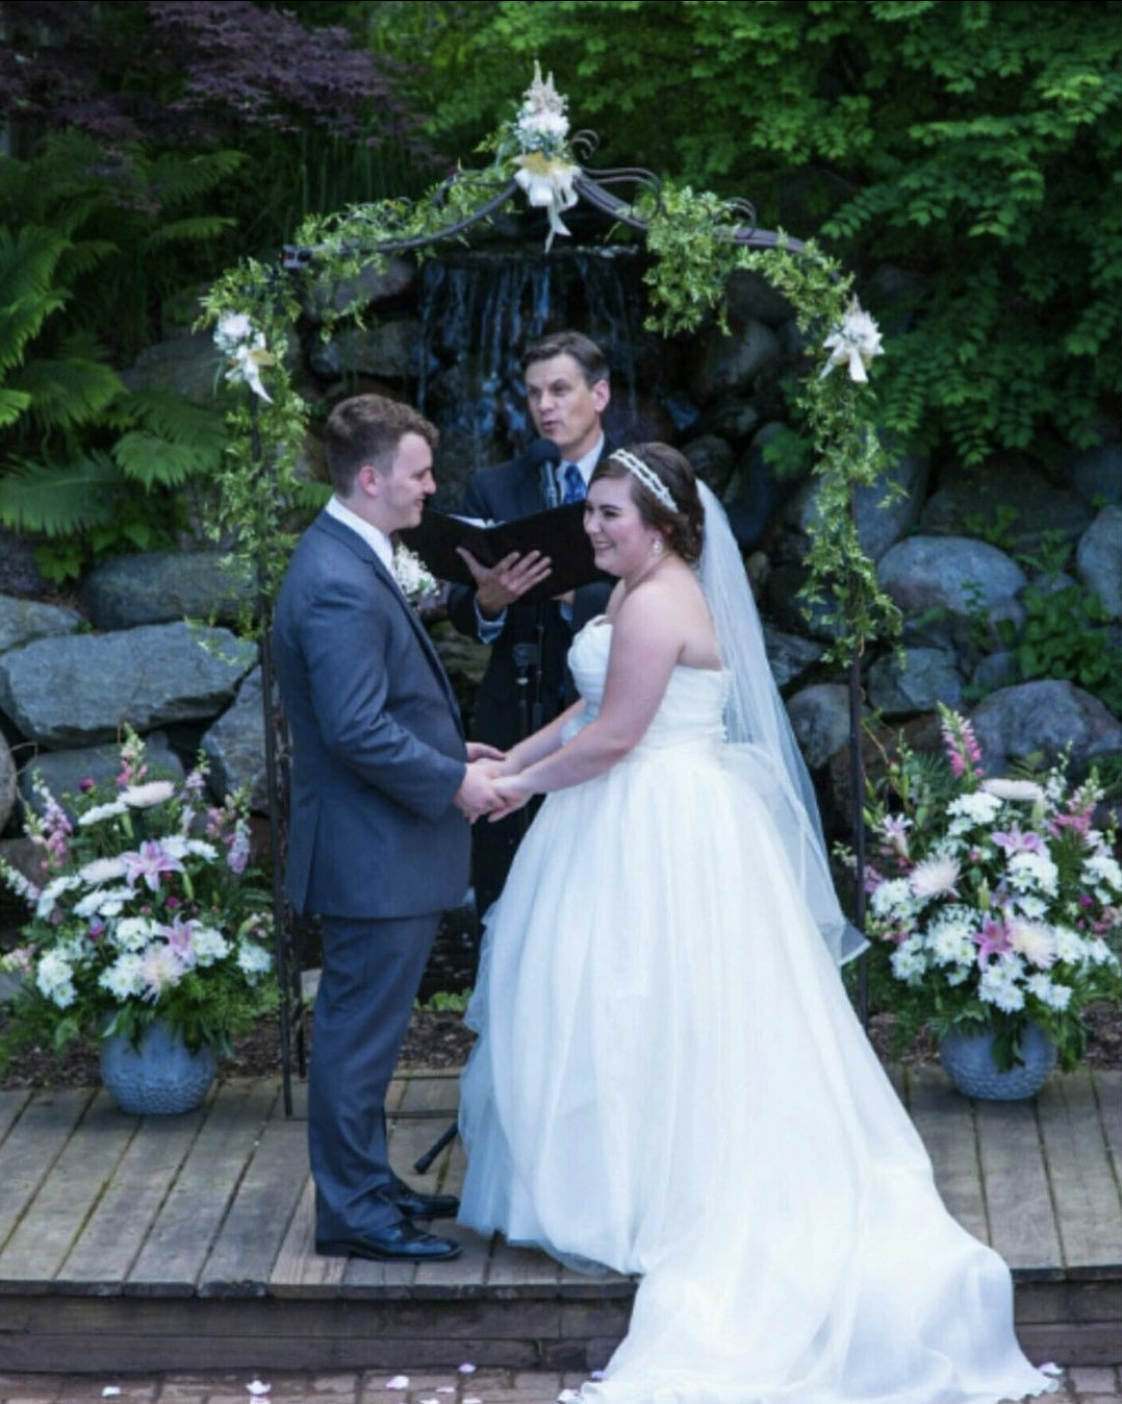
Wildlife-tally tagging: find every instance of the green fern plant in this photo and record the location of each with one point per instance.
(86, 256)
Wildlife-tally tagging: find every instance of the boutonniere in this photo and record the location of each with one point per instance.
(411, 574)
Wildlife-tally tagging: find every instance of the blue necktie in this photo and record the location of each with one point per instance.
(574, 484)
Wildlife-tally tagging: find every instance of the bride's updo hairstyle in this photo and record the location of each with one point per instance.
(684, 522)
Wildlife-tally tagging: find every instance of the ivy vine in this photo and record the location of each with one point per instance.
(692, 237)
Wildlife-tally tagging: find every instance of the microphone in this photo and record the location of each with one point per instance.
(544, 455)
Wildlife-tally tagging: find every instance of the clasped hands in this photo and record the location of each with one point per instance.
(489, 786)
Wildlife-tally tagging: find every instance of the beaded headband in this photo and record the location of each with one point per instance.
(648, 477)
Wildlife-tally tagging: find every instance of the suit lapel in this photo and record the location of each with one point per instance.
(354, 542)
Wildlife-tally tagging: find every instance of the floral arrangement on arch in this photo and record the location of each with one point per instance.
(997, 902)
(150, 912)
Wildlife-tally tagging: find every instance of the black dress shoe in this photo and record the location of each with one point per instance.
(415, 1205)
(402, 1242)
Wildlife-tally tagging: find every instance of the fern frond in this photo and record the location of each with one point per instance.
(59, 500)
(179, 179)
(155, 462)
(66, 392)
(166, 412)
(12, 405)
(198, 227)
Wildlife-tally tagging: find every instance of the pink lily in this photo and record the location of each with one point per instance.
(149, 864)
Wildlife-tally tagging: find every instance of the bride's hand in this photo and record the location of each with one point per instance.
(480, 750)
(514, 792)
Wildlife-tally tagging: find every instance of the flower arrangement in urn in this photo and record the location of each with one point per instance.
(996, 901)
(150, 914)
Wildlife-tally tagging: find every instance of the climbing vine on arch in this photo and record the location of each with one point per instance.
(696, 240)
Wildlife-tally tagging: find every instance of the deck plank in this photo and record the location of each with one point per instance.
(27, 1158)
(266, 1199)
(945, 1123)
(1084, 1191)
(189, 1220)
(1022, 1221)
(80, 1175)
(299, 1270)
(1108, 1091)
(11, 1105)
(465, 1275)
(115, 1233)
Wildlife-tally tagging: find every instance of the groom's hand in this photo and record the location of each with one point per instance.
(512, 793)
(476, 794)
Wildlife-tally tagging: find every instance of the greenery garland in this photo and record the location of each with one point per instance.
(692, 238)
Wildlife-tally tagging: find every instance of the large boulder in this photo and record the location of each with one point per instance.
(23, 620)
(7, 784)
(954, 573)
(235, 747)
(1011, 498)
(1099, 559)
(915, 683)
(79, 690)
(392, 350)
(1044, 717)
(886, 510)
(790, 656)
(64, 772)
(820, 719)
(750, 295)
(158, 586)
(729, 363)
(191, 365)
(1096, 474)
(371, 285)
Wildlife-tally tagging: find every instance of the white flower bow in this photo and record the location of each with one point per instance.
(853, 344)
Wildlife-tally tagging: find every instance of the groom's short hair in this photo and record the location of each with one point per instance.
(592, 361)
(368, 429)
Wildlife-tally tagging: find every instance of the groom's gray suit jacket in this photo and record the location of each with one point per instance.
(378, 747)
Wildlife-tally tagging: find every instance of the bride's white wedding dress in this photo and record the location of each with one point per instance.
(670, 1081)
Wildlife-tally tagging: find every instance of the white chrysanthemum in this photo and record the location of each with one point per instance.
(1070, 946)
(199, 848)
(253, 959)
(208, 946)
(1032, 908)
(1048, 992)
(149, 795)
(959, 974)
(1102, 868)
(935, 877)
(950, 945)
(55, 980)
(124, 978)
(1034, 941)
(908, 959)
(893, 899)
(134, 933)
(1027, 791)
(100, 812)
(103, 901)
(1099, 953)
(232, 329)
(52, 892)
(978, 808)
(1033, 872)
(102, 870)
(997, 987)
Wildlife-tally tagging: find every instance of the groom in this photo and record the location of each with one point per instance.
(382, 796)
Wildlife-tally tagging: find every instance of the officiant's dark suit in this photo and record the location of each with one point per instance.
(379, 836)
(567, 388)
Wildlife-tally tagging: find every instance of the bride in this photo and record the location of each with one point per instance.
(669, 1079)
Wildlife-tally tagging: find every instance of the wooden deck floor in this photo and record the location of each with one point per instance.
(187, 1242)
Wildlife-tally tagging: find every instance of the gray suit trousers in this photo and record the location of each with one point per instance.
(371, 973)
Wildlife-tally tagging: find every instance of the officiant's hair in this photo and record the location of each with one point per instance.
(368, 429)
(592, 361)
(684, 528)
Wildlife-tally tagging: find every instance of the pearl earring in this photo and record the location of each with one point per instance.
(656, 546)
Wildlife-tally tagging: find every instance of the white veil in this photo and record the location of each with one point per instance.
(755, 717)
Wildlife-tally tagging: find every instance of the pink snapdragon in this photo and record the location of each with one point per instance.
(961, 745)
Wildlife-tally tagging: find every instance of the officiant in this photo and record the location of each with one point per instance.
(525, 684)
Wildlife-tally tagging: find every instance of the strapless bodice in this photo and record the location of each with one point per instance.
(692, 707)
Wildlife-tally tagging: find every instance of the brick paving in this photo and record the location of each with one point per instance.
(1082, 1384)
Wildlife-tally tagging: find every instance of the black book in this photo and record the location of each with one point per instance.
(558, 533)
